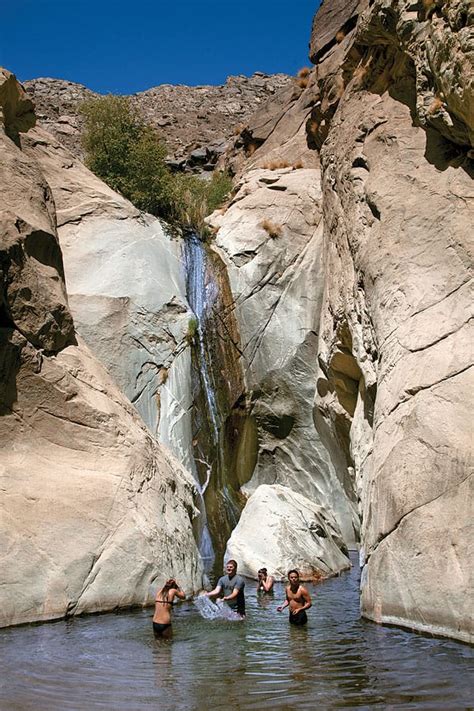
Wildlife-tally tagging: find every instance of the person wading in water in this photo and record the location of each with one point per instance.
(232, 585)
(163, 604)
(265, 582)
(297, 598)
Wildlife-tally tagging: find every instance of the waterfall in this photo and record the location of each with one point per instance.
(217, 386)
(202, 295)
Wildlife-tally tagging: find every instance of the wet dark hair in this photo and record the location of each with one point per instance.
(293, 571)
(263, 570)
(232, 561)
(170, 584)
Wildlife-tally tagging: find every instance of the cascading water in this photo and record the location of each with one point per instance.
(217, 385)
(200, 297)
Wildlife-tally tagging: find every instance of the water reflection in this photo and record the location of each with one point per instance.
(338, 661)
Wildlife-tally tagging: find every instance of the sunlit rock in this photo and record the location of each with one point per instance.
(92, 510)
(277, 284)
(280, 529)
(395, 347)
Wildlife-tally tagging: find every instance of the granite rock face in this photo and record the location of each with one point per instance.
(270, 239)
(126, 290)
(395, 347)
(280, 529)
(92, 509)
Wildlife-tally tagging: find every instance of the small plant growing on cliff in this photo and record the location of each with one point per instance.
(297, 165)
(340, 36)
(192, 329)
(273, 229)
(435, 106)
(302, 78)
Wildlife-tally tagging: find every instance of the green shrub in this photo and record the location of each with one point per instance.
(129, 156)
(192, 328)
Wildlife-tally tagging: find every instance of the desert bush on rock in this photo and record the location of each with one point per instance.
(273, 229)
(130, 156)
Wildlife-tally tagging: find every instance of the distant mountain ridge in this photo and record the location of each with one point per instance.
(188, 117)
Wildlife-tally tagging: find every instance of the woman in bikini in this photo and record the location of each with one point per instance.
(163, 604)
(265, 582)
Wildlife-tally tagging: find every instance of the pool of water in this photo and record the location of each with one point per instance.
(339, 661)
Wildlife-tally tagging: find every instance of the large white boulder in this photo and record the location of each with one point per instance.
(281, 529)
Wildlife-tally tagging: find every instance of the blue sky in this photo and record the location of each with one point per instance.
(123, 47)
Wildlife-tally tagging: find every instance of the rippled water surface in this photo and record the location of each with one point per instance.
(338, 661)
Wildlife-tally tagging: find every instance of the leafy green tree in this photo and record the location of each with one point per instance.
(129, 156)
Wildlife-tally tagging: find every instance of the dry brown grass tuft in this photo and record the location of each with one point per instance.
(435, 105)
(298, 165)
(360, 73)
(239, 128)
(303, 72)
(312, 126)
(340, 36)
(276, 164)
(273, 229)
(251, 148)
(302, 82)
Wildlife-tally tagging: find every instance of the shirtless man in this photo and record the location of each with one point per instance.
(297, 598)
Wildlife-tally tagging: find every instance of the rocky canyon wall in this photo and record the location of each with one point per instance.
(93, 512)
(393, 124)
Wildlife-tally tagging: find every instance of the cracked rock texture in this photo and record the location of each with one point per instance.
(395, 347)
(277, 283)
(282, 530)
(93, 511)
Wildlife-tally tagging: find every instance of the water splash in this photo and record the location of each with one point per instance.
(218, 610)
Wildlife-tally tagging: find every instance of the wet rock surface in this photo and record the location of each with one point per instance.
(270, 239)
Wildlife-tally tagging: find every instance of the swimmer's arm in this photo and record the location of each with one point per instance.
(307, 598)
(233, 594)
(177, 593)
(215, 592)
(285, 604)
(268, 583)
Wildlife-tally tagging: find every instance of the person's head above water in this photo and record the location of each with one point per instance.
(294, 578)
(262, 572)
(231, 568)
(170, 584)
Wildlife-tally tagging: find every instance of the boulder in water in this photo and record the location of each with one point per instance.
(282, 530)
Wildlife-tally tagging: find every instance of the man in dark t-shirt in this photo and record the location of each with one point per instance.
(232, 586)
